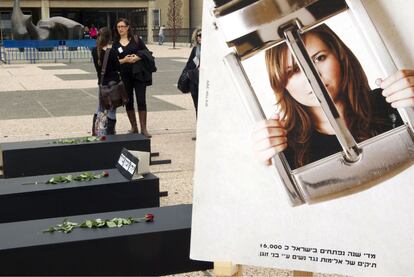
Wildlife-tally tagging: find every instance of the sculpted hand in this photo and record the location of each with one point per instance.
(398, 89)
(269, 138)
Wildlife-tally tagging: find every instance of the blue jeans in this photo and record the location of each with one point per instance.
(161, 39)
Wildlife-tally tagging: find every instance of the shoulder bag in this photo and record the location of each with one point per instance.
(112, 95)
(183, 83)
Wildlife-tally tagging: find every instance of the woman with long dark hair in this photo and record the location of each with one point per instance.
(300, 128)
(127, 47)
(104, 43)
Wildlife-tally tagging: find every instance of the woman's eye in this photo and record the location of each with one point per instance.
(319, 58)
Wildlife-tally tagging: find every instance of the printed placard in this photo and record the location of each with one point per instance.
(251, 221)
(127, 164)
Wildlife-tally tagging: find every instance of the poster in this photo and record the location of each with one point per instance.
(241, 212)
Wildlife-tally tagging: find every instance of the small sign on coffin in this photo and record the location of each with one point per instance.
(133, 164)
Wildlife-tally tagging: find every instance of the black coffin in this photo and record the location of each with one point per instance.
(157, 248)
(31, 158)
(113, 193)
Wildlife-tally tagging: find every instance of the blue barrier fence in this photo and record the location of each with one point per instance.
(33, 51)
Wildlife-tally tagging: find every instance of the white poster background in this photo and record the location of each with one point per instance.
(240, 210)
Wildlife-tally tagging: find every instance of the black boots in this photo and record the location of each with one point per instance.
(110, 127)
(93, 125)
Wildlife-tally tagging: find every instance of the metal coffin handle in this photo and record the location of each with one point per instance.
(378, 48)
(359, 164)
(250, 26)
(256, 113)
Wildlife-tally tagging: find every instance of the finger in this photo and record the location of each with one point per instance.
(268, 133)
(275, 116)
(407, 82)
(269, 123)
(268, 162)
(409, 102)
(266, 156)
(400, 95)
(395, 77)
(269, 143)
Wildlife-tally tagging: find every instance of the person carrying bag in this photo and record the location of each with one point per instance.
(112, 95)
(188, 80)
(107, 67)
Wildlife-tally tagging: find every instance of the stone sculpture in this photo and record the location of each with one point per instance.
(54, 28)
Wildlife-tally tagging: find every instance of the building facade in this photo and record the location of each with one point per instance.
(145, 16)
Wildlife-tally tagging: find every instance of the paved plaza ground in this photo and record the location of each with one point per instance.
(57, 100)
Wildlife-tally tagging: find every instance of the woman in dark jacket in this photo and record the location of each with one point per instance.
(193, 65)
(127, 48)
(103, 43)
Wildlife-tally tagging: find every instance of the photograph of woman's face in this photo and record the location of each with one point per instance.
(327, 65)
(299, 127)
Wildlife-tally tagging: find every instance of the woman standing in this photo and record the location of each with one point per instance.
(127, 48)
(193, 65)
(103, 43)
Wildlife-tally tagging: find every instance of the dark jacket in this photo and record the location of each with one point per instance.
(142, 70)
(192, 70)
(112, 68)
(133, 47)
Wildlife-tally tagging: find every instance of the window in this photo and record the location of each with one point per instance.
(156, 18)
(5, 26)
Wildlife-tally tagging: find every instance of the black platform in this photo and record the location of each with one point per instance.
(32, 158)
(157, 248)
(113, 193)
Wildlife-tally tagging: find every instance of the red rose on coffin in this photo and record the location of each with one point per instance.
(103, 138)
(105, 174)
(149, 217)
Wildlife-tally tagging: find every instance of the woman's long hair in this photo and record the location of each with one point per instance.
(103, 39)
(354, 89)
(117, 37)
